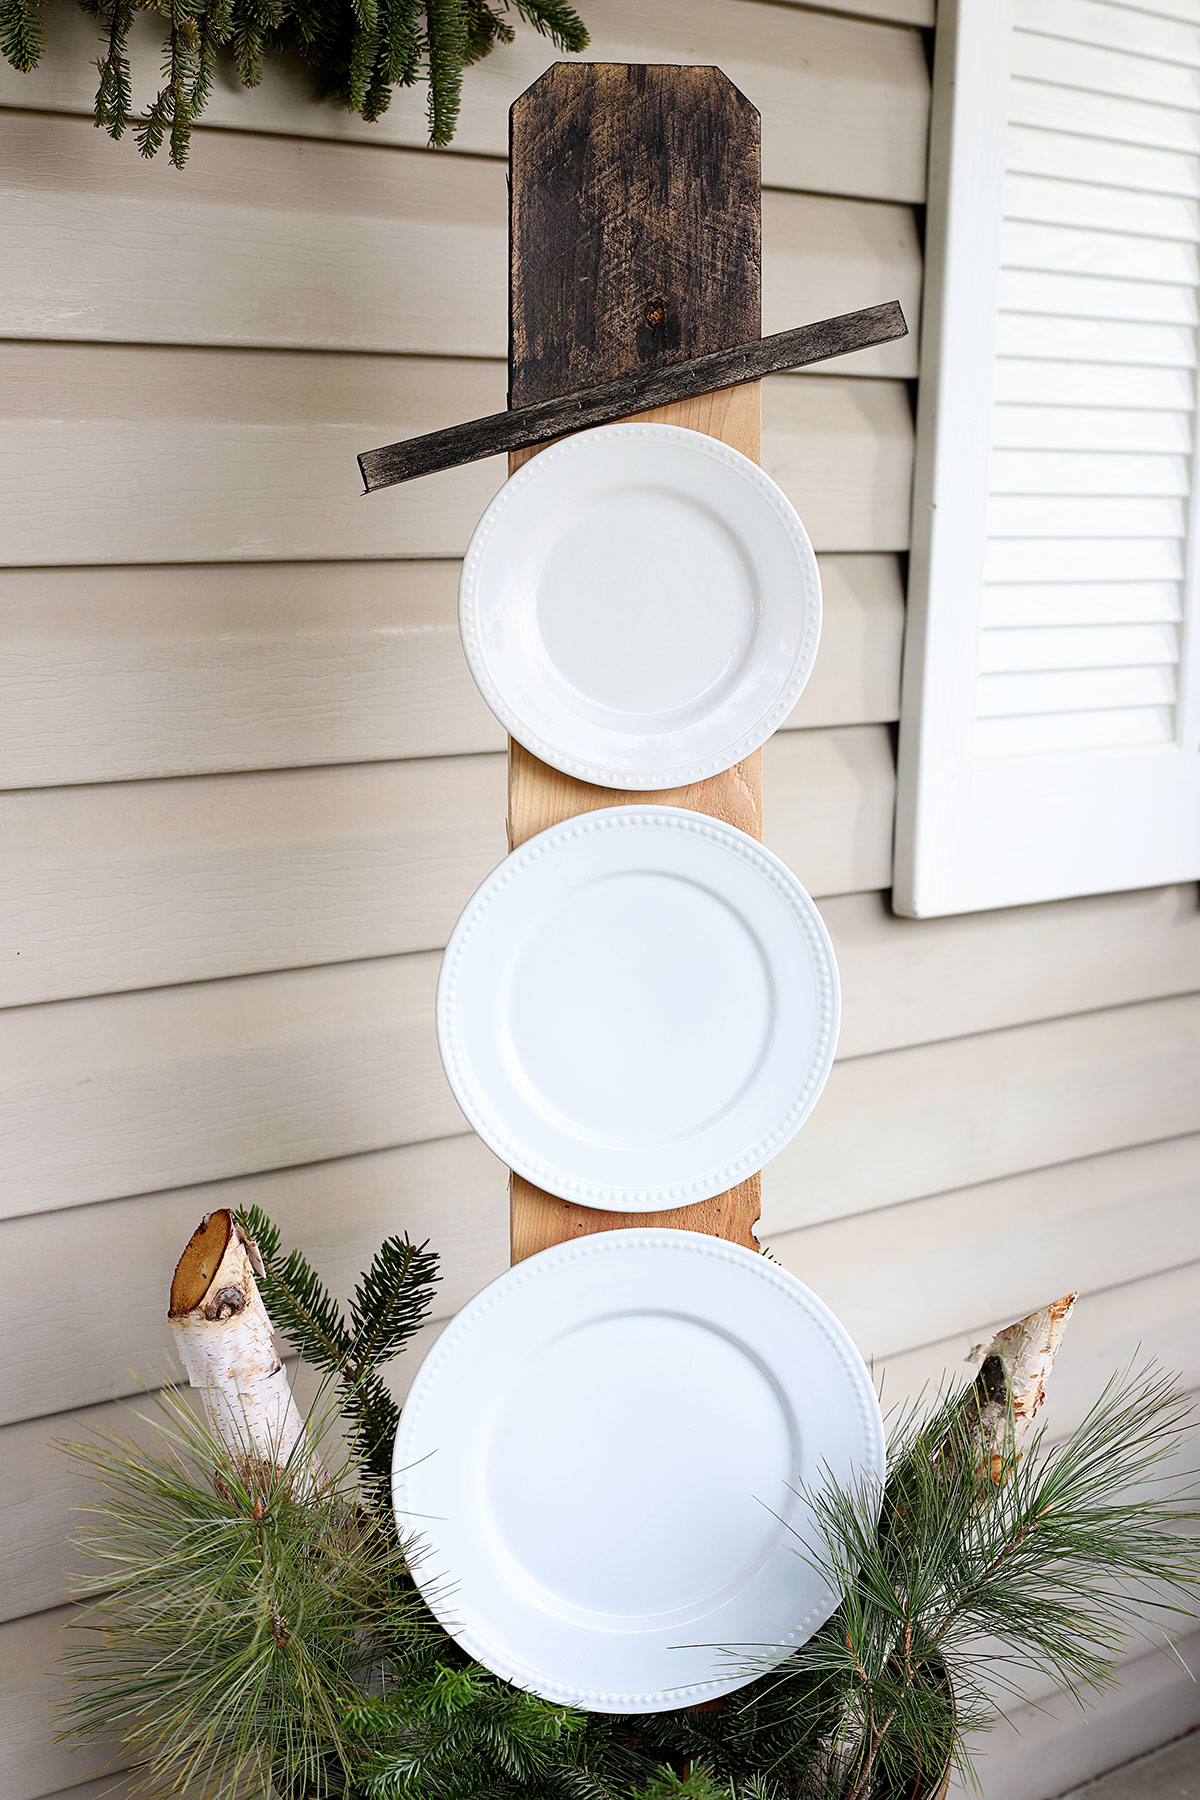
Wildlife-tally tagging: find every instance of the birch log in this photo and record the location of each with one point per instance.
(228, 1351)
(1011, 1383)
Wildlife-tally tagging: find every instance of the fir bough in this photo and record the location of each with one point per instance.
(256, 1635)
(358, 52)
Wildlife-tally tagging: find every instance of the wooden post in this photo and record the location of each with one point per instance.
(636, 241)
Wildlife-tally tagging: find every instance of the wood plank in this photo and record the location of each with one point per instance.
(140, 884)
(618, 279)
(120, 674)
(653, 393)
(915, 1271)
(154, 455)
(923, 1120)
(136, 1092)
(844, 101)
(283, 243)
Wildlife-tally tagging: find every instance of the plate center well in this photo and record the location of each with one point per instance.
(636, 1468)
(645, 604)
(639, 1008)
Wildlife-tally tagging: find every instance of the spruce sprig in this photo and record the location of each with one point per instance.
(358, 51)
(390, 1303)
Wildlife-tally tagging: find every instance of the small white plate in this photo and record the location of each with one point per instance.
(604, 1457)
(640, 606)
(638, 1008)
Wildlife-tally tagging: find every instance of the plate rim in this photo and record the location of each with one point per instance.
(600, 774)
(665, 1195)
(544, 1263)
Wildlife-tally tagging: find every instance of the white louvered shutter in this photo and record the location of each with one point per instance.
(1050, 722)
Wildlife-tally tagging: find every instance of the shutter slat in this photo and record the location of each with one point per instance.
(1096, 296)
(1070, 515)
(1095, 340)
(1044, 383)
(1047, 201)
(1083, 603)
(1043, 104)
(1086, 472)
(1090, 428)
(1104, 71)
(1072, 156)
(1135, 28)
(1049, 733)
(1073, 690)
(1068, 250)
(1009, 650)
(1081, 559)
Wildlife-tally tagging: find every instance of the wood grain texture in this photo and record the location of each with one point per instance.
(636, 242)
(527, 427)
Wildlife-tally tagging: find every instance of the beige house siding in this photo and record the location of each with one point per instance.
(248, 783)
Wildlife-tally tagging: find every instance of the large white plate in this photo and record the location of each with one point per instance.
(638, 1008)
(640, 606)
(605, 1454)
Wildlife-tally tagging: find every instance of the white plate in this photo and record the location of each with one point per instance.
(640, 606)
(603, 1455)
(638, 1008)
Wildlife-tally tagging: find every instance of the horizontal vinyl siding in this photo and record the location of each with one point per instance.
(247, 783)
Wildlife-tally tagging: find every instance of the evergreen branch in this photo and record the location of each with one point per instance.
(446, 52)
(299, 1303)
(557, 21)
(392, 1300)
(22, 33)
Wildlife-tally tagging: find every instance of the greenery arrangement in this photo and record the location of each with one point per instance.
(254, 1633)
(357, 50)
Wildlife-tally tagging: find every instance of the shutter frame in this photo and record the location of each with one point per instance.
(973, 831)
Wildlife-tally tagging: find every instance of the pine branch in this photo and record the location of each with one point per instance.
(557, 21)
(446, 51)
(299, 1303)
(22, 33)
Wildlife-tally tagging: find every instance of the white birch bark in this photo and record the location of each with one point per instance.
(1013, 1372)
(227, 1348)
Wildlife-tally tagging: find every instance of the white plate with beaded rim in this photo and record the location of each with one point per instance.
(640, 606)
(605, 1459)
(638, 1008)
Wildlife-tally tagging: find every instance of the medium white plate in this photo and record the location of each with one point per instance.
(604, 1456)
(640, 606)
(638, 1008)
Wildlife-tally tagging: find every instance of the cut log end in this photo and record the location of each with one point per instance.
(228, 1351)
(200, 1261)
